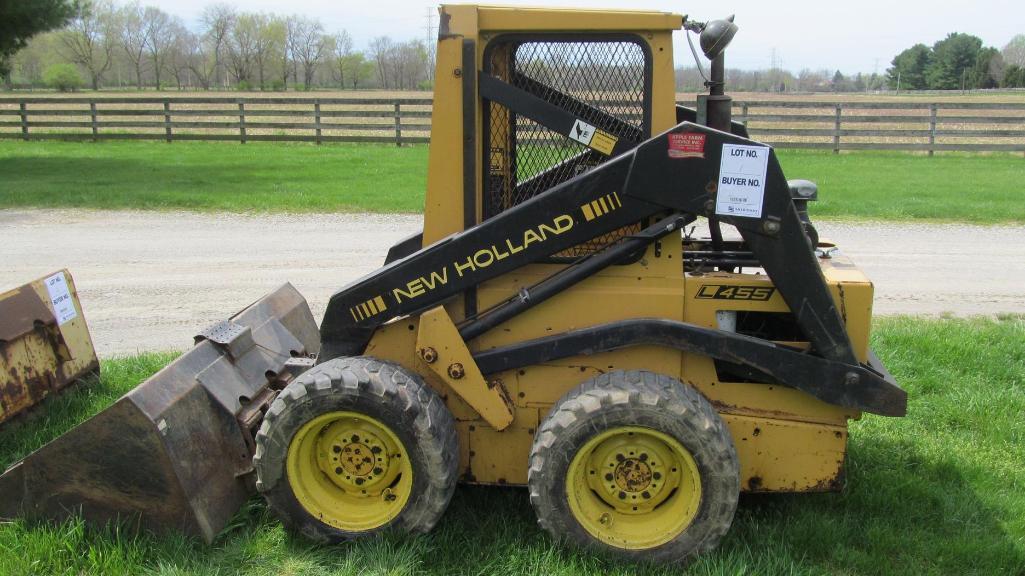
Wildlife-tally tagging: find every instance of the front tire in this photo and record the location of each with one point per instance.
(355, 446)
(637, 464)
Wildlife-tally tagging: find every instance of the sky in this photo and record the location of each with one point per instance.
(861, 36)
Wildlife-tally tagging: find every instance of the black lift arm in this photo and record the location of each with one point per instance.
(652, 179)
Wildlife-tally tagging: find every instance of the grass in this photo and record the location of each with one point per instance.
(213, 176)
(941, 491)
(262, 177)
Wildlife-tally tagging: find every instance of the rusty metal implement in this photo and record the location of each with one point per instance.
(175, 453)
(44, 342)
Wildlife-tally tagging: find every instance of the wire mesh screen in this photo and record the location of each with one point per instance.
(525, 158)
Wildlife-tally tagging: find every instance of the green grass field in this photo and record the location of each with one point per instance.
(941, 491)
(274, 177)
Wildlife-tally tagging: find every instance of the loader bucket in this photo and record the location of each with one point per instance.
(44, 342)
(175, 452)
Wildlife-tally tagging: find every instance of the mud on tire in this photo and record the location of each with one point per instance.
(389, 394)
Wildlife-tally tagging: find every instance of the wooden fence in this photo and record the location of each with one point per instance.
(859, 125)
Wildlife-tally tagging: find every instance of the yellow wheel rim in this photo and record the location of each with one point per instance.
(349, 471)
(633, 487)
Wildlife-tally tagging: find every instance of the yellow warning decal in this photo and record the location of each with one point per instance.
(601, 206)
(365, 310)
(603, 142)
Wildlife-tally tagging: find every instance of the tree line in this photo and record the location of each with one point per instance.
(959, 61)
(104, 44)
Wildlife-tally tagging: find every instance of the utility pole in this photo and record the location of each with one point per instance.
(430, 44)
(898, 81)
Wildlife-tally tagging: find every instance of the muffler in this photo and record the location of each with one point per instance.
(174, 453)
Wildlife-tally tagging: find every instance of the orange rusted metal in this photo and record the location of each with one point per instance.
(44, 342)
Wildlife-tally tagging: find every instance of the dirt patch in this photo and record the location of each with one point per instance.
(151, 280)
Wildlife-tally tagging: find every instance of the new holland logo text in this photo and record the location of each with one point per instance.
(485, 256)
(721, 292)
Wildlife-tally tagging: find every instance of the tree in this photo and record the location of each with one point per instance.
(200, 59)
(63, 77)
(309, 48)
(241, 48)
(23, 19)
(28, 64)
(269, 44)
(381, 49)
(89, 41)
(839, 82)
(217, 21)
(158, 30)
(988, 69)
(952, 59)
(340, 50)
(1014, 52)
(178, 53)
(357, 68)
(909, 67)
(288, 64)
(132, 37)
(1014, 77)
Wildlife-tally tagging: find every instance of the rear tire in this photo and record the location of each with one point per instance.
(355, 446)
(636, 464)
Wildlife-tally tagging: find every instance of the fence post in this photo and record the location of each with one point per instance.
(242, 121)
(92, 117)
(24, 120)
(316, 119)
(836, 129)
(744, 111)
(932, 127)
(167, 120)
(398, 125)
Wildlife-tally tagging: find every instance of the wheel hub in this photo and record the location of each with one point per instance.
(349, 470)
(356, 460)
(633, 487)
(633, 475)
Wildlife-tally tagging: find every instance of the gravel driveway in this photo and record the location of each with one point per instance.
(150, 280)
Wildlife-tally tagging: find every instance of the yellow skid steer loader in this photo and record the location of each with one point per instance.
(556, 325)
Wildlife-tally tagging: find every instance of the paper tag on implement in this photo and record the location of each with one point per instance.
(60, 298)
(742, 180)
(592, 137)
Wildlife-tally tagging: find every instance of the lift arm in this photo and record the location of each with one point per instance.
(638, 184)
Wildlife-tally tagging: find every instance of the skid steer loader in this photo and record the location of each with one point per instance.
(556, 325)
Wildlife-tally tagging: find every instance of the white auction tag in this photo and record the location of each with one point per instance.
(742, 180)
(60, 298)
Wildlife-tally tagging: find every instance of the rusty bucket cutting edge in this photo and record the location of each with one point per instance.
(171, 454)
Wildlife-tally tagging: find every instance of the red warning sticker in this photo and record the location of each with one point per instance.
(687, 145)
